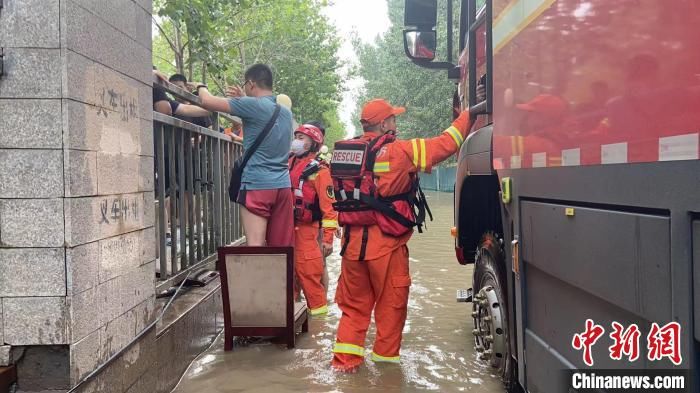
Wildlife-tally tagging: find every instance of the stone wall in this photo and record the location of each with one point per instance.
(77, 256)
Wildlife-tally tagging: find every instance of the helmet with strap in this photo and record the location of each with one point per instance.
(312, 132)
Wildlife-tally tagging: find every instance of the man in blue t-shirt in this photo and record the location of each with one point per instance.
(267, 203)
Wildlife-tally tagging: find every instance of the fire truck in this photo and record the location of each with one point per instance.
(577, 194)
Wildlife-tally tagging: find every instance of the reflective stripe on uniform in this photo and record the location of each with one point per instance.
(321, 310)
(456, 135)
(414, 143)
(422, 155)
(387, 359)
(329, 223)
(381, 166)
(350, 349)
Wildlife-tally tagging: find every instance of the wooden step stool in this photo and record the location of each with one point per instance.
(257, 286)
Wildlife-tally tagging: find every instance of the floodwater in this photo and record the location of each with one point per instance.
(437, 352)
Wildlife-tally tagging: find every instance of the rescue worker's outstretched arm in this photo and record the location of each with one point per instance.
(431, 151)
(329, 219)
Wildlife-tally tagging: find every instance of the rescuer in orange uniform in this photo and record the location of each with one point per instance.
(313, 207)
(375, 274)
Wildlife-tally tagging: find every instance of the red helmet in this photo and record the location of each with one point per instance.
(312, 132)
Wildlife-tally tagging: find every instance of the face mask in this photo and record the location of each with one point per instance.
(298, 147)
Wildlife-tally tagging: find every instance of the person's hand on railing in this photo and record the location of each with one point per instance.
(160, 75)
(234, 92)
(209, 101)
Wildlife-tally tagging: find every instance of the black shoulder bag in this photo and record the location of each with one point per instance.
(237, 170)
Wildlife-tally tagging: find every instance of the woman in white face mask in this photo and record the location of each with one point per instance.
(301, 144)
(313, 209)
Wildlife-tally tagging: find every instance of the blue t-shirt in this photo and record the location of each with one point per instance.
(268, 167)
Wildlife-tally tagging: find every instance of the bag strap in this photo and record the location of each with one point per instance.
(346, 235)
(259, 139)
(372, 153)
(386, 210)
(363, 247)
(424, 202)
(310, 169)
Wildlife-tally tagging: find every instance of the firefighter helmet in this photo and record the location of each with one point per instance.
(312, 132)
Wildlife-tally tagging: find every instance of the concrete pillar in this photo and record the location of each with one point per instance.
(77, 255)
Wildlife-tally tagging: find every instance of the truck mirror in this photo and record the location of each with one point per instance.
(420, 13)
(420, 45)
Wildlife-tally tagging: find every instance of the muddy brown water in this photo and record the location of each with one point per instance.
(437, 352)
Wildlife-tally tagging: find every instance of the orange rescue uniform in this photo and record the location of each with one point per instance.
(381, 281)
(308, 258)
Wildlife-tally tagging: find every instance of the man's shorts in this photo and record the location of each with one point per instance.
(277, 206)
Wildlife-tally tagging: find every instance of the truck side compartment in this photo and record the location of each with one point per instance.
(601, 248)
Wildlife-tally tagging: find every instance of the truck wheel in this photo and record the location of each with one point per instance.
(490, 312)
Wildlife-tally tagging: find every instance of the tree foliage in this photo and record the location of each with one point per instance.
(389, 74)
(216, 40)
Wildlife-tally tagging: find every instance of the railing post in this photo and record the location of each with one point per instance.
(215, 121)
(198, 194)
(217, 193)
(438, 179)
(189, 203)
(162, 220)
(207, 191)
(182, 191)
(172, 131)
(226, 233)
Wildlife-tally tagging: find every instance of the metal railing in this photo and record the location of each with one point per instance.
(441, 178)
(193, 167)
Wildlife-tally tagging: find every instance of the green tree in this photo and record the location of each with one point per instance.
(335, 129)
(388, 73)
(197, 31)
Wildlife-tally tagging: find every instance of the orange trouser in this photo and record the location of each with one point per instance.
(308, 266)
(381, 284)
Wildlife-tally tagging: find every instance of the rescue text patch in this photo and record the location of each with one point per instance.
(353, 157)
